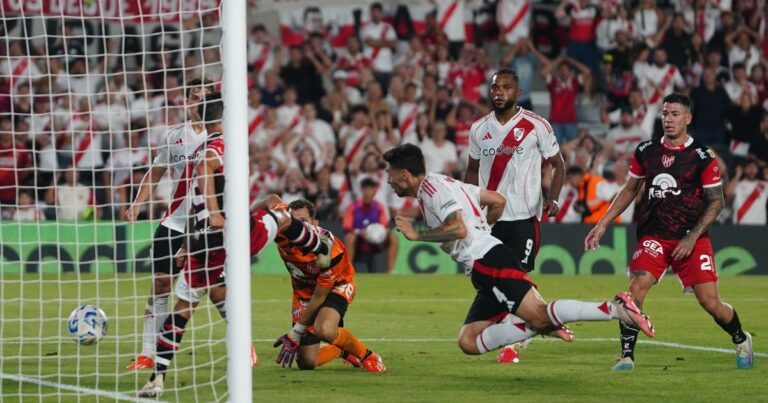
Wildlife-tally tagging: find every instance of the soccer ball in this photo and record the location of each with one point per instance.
(375, 233)
(87, 324)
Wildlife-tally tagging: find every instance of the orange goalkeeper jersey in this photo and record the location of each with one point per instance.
(305, 275)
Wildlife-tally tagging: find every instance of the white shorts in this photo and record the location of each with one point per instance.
(194, 295)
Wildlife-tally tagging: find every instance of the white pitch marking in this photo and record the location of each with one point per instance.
(74, 388)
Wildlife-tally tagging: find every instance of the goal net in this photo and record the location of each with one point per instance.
(89, 92)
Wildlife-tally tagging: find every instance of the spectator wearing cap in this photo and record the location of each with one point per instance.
(363, 212)
(380, 40)
(710, 104)
(341, 85)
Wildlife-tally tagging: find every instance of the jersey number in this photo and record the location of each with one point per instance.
(706, 262)
(528, 249)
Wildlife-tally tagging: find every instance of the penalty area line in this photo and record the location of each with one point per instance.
(75, 388)
(679, 346)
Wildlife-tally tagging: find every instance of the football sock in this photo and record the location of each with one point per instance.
(628, 340)
(566, 310)
(302, 235)
(328, 353)
(222, 308)
(168, 342)
(154, 316)
(349, 343)
(502, 334)
(734, 329)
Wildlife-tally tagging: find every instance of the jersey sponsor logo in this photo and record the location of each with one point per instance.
(447, 204)
(652, 247)
(702, 154)
(667, 160)
(663, 185)
(506, 150)
(644, 145)
(487, 136)
(181, 157)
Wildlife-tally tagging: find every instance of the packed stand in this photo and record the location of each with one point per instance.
(320, 117)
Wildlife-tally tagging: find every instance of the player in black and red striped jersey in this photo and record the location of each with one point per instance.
(683, 197)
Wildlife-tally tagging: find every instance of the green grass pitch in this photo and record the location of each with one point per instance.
(412, 321)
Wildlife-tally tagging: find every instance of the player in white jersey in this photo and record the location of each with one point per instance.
(179, 146)
(506, 149)
(454, 215)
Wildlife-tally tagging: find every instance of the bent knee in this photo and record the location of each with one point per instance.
(327, 333)
(468, 345)
(711, 305)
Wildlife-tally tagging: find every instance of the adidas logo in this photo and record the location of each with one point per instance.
(487, 136)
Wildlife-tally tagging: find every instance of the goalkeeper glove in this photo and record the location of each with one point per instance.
(290, 345)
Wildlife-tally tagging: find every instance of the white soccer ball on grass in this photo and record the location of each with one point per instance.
(87, 324)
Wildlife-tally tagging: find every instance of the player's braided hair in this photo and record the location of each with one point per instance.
(408, 157)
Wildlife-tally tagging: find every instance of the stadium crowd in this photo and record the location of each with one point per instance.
(75, 139)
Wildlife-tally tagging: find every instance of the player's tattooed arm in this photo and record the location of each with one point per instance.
(452, 229)
(715, 204)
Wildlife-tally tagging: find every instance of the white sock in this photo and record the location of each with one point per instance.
(502, 334)
(566, 310)
(154, 317)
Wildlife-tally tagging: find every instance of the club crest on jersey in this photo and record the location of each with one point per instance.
(518, 133)
(667, 160)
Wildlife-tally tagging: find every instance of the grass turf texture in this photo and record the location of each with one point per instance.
(387, 312)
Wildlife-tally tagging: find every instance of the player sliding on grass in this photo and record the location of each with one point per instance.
(683, 196)
(204, 268)
(322, 291)
(454, 215)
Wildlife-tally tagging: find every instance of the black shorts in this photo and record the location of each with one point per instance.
(338, 303)
(165, 243)
(523, 237)
(500, 288)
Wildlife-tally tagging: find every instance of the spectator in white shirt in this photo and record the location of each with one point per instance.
(381, 39)
(27, 208)
(748, 194)
(439, 153)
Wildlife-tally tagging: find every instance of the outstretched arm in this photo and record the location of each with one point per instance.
(453, 228)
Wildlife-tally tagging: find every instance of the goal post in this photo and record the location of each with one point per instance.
(89, 90)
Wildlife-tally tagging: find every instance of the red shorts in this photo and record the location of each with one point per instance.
(654, 256)
(203, 268)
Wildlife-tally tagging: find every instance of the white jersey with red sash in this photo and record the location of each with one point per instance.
(261, 57)
(356, 139)
(86, 144)
(407, 114)
(514, 19)
(174, 153)
(439, 196)
(381, 58)
(664, 78)
(749, 203)
(255, 119)
(450, 17)
(352, 64)
(18, 70)
(510, 159)
(567, 201)
(289, 116)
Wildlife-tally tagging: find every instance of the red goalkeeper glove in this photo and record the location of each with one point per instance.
(290, 345)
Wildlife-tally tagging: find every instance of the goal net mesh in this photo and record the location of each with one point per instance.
(88, 92)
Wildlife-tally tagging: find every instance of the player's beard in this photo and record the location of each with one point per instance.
(503, 108)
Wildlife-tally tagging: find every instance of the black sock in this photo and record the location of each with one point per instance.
(628, 340)
(734, 329)
(168, 342)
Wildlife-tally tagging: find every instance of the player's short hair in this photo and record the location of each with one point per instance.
(678, 98)
(376, 6)
(507, 72)
(408, 157)
(303, 203)
(574, 170)
(212, 109)
(199, 82)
